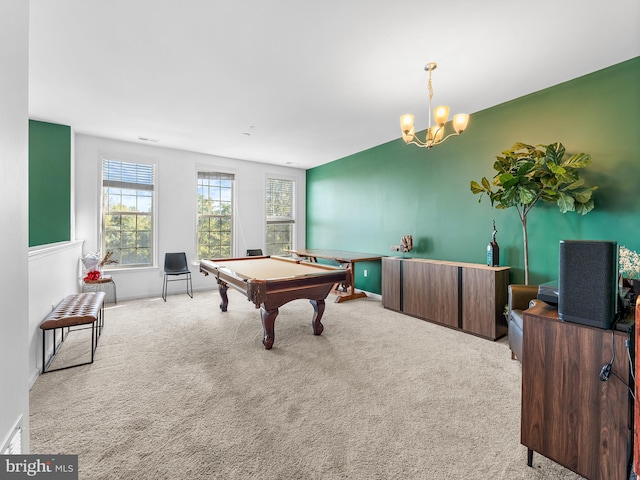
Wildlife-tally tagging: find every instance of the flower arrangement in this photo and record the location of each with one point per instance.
(629, 263)
(94, 266)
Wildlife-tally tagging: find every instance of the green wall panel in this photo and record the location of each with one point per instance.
(49, 183)
(366, 202)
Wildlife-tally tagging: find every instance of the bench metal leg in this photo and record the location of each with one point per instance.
(95, 332)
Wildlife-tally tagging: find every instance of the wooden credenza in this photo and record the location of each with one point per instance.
(465, 296)
(568, 414)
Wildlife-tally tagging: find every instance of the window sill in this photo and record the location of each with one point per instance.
(108, 271)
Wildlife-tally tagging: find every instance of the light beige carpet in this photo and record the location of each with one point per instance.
(180, 390)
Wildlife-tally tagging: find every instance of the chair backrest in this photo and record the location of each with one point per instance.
(254, 252)
(175, 262)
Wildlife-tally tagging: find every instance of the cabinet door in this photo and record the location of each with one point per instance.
(484, 295)
(391, 268)
(430, 291)
(568, 414)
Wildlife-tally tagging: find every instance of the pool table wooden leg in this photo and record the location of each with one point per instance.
(268, 325)
(318, 310)
(222, 288)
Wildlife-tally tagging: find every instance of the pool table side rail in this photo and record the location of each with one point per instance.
(215, 266)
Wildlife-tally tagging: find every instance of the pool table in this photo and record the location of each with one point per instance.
(269, 282)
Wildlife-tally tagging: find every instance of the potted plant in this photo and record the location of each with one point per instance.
(629, 267)
(527, 174)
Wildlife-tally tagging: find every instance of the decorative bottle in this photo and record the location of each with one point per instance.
(493, 250)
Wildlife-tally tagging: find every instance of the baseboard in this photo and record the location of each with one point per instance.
(375, 296)
(34, 376)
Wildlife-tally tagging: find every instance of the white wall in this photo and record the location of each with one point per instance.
(176, 205)
(54, 273)
(14, 201)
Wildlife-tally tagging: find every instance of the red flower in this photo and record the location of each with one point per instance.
(92, 276)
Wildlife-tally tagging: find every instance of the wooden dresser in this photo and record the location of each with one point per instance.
(466, 296)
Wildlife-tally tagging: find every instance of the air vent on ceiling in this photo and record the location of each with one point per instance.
(147, 139)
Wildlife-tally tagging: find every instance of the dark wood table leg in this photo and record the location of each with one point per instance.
(318, 310)
(268, 325)
(222, 288)
(345, 290)
(529, 457)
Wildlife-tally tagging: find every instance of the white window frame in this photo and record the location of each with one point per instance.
(208, 169)
(280, 220)
(154, 213)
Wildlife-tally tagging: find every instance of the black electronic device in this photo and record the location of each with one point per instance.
(588, 282)
(626, 324)
(548, 292)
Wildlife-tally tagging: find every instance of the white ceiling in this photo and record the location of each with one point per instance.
(300, 82)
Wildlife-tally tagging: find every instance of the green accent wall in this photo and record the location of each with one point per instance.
(49, 183)
(367, 201)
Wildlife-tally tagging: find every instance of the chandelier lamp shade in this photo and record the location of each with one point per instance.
(435, 134)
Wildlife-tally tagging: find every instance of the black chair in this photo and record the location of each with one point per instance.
(175, 264)
(254, 252)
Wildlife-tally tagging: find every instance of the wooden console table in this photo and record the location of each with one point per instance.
(568, 414)
(466, 296)
(346, 259)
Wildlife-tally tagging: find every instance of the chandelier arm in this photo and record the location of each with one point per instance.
(417, 142)
(452, 134)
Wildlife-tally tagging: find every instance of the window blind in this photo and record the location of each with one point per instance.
(280, 201)
(127, 175)
(215, 176)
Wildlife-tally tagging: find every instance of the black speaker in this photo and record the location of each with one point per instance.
(588, 282)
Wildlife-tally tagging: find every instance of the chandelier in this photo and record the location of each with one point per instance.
(436, 133)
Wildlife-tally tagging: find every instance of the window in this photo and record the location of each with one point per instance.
(215, 215)
(127, 212)
(280, 215)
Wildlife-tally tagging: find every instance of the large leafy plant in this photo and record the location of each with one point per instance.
(527, 174)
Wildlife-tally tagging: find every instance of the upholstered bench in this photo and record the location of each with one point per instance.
(77, 310)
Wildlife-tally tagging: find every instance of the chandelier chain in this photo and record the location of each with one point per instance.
(430, 87)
